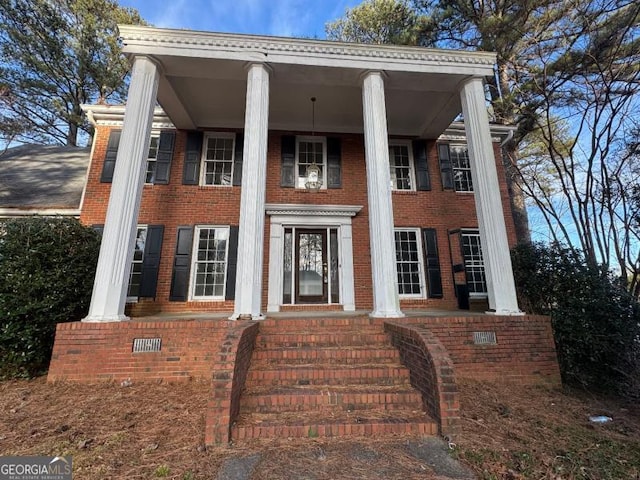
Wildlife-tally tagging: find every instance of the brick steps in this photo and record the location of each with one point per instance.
(318, 338)
(354, 426)
(328, 374)
(325, 377)
(344, 398)
(332, 355)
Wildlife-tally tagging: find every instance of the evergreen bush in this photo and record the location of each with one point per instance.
(596, 322)
(47, 266)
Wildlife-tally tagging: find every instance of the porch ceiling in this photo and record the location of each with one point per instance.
(203, 81)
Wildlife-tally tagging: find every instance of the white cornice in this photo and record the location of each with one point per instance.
(312, 210)
(113, 115)
(457, 133)
(158, 42)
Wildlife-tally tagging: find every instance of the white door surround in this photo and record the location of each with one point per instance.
(310, 216)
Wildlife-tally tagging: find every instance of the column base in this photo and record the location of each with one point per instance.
(506, 313)
(247, 316)
(105, 319)
(393, 314)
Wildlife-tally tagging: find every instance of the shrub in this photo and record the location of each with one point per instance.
(47, 266)
(596, 322)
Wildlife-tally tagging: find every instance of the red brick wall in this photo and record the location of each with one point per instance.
(524, 353)
(175, 204)
(89, 352)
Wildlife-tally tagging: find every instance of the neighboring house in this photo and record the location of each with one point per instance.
(285, 174)
(42, 180)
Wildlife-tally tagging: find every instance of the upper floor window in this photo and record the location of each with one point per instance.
(218, 159)
(401, 166)
(152, 158)
(310, 150)
(461, 166)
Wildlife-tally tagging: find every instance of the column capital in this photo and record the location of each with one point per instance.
(367, 73)
(147, 58)
(249, 65)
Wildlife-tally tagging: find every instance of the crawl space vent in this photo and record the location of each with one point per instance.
(484, 338)
(144, 345)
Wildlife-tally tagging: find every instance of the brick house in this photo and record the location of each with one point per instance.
(218, 182)
(286, 175)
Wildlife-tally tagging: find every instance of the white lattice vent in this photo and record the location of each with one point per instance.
(484, 338)
(145, 345)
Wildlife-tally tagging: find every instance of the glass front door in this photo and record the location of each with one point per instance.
(311, 266)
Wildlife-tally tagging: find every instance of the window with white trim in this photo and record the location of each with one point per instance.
(409, 263)
(461, 167)
(401, 166)
(209, 262)
(474, 263)
(310, 150)
(217, 159)
(136, 263)
(152, 156)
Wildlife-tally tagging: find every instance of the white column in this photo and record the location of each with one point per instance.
(254, 174)
(493, 232)
(118, 238)
(386, 301)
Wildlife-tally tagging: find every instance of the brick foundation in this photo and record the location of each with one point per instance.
(436, 350)
(89, 352)
(524, 353)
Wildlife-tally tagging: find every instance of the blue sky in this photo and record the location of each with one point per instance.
(296, 18)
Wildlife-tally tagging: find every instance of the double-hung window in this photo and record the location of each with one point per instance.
(401, 166)
(474, 263)
(217, 159)
(461, 167)
(310, 150)
(409, 263)
(209, 258)
(135, 276)
(152, 157)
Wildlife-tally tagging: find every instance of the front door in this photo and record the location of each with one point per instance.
(311, 266)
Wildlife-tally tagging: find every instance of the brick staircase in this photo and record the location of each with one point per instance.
(327, 377)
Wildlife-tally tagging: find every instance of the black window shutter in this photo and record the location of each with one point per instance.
(237, 160)
(334, 163)
(432, 262)
(191, 171)
(181, 265)
(445, 166)
(109, 164)
(232, 262)
(166, 143)
(288, 174)
(423, 181)
(151, 261)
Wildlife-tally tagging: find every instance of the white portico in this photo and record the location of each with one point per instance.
(209, 81)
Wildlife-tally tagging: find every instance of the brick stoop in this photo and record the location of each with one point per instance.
(328, 377)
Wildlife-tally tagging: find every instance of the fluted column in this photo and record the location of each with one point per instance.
(386, 301)
(254, 174)
(493, 232)
(118, 238)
